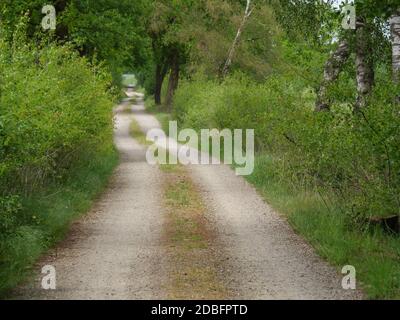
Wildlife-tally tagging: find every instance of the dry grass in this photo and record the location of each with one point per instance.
(137, 133)
(194, 264)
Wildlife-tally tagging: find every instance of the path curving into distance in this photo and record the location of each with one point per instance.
(117, 251)
(114, 252)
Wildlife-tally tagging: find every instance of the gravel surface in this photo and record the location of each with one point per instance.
(264, 257)
(267, 260)
(114, 252)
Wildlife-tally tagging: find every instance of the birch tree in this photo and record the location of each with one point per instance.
(332, 69)
(364, 63)
(395, 32)
(235, 43)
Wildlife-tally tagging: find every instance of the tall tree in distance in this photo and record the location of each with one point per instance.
(175, 61)
(166, 22)
(195, 36)
(161, 63)
(110, 31)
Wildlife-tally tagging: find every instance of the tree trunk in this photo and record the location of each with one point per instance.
(395, 31)
(232, 50)
(173, 80)
(62, 31)
(333, 67)
(364, 64)
(161, 71)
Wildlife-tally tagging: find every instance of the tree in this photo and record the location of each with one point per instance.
(161, 72)
(395, 35)
(315, 23)
(364, 62)
(188, 36)
(166, 23)
(109, 30)
(175, 65)
(333, 67)
(247, 13)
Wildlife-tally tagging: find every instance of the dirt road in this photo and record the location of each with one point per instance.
(269, 260)
(116, 251)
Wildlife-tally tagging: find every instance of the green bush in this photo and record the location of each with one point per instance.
(328, 172)
(53, 108)
(10, 207)
(56, 148)
(354, 156)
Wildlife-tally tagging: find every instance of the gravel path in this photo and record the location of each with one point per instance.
(267, 260)
(115, 251)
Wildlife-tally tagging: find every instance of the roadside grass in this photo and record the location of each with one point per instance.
(189, 240)
(193, 267)
(132, 100)
(159, 112)
(50, 212)
(164, 119)
(137, 133)
(140, 90)
(182, 198)
(124, 97)
(375, 255)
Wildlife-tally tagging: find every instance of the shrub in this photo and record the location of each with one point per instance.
(354, 157)
(54, 108)
(10, 207)
(56, 146)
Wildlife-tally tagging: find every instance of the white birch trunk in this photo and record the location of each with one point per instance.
(395, 32)
(364, 65)
(231, 53)
(332, 69)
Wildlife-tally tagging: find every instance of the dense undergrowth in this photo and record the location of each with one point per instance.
(354, 156)
(329, 172)
(319, 217)
(56, 148)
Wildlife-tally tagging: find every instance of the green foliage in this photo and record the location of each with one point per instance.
(201, 34)
(55, 122)
(111, 31)
(355, 157)
(213, 34)
(43, 131)
(329, 172)
(11, 12)
(48, 213)
(308, 20)
(10, 207)
(373, 254)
